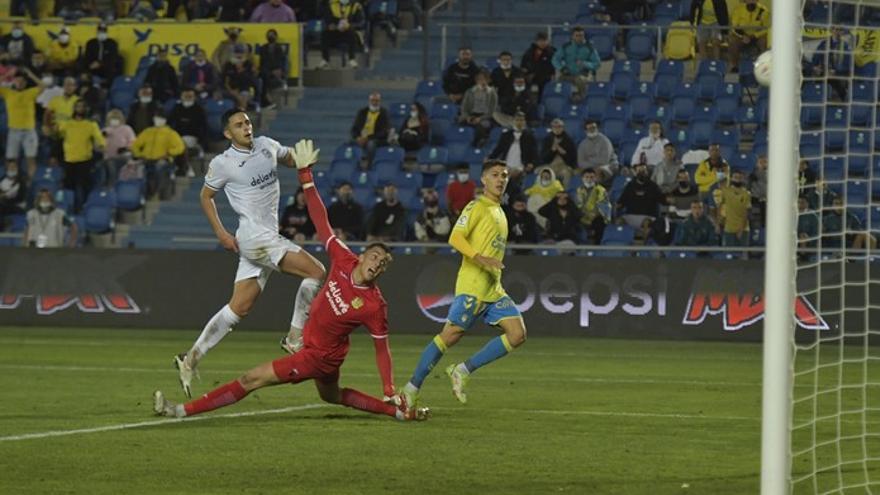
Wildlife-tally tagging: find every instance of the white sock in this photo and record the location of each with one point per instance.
(463, 369)
(307, 291)
(409, 387)
(217, 328)
(179, 411)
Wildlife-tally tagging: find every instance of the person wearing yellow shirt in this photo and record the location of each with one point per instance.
(480, 235)
(159, 146)
(80, 138)
(749, 28)
(734, 202)
(21, 110)
(58, 110)
(63, 54)
(711, 171)
(710, 17)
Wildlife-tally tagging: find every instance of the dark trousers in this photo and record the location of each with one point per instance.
(332, 39)
(78, 177)
(20, 7)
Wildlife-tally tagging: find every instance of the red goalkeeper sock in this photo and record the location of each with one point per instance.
(364, 402)
(221, 396)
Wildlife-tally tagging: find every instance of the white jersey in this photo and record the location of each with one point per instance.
(250, 179)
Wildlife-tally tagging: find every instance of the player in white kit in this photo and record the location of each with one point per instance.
(247, 172)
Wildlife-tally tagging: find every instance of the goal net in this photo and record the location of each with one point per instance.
(835, 380)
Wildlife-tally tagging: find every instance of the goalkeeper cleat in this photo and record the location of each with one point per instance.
(409, 396)
(459, 381)
(185, 374)
(163, 407)
(408, 412)
(291, 346)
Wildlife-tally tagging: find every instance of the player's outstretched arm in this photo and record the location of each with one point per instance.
(304, 155)
(227, 240)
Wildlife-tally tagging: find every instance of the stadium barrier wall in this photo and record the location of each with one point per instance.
(692, 299)
(137, 40)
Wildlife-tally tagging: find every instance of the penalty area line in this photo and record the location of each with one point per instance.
(157, 422)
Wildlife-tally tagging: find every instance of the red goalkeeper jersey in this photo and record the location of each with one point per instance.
(341, 306)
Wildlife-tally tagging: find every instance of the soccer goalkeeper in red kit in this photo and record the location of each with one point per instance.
(349, 298)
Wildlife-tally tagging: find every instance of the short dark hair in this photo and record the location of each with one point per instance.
(493, 162)
(577, 29)
(380, 245)
(224, 119)
(187, 88)
(505, 52)
(669, 145)
(344, 183)
(589, 170)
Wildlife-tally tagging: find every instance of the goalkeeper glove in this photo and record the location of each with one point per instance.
(304, 156)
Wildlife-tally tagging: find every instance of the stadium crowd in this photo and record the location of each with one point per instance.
(611, 161)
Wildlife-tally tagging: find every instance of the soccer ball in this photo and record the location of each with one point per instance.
(763, 66)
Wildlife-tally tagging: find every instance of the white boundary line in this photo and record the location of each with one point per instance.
(157, 422)
(634, 381)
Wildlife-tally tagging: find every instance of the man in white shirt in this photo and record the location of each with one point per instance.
(650, 146)
(247, 172)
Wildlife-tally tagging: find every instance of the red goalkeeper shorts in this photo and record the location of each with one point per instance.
(307, 364)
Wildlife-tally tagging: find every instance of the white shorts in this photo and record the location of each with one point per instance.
(259, 256)
(18, 138)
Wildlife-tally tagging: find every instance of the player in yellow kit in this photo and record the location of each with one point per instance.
(480, 235)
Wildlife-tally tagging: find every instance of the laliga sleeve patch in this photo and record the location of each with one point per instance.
(462, 221)
(210, 172)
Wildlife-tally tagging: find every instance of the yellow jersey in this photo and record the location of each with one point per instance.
(21, 107)
(484, 225)
(80, 139)
(62, 107)
(709, 16)
(156, 143)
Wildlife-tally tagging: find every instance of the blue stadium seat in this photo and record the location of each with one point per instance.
(476, 156)
(408, 180)
(554, 105)
(386, 171)
(55, 174)
(701, 133)
(857, 193)
(342, 170)
(617, 184)
(389, 153)
(458, 152)
(835, 141)
(726, 137)
(814, 92)
(446, 111)
(628, 66)
(862, 115)
(743, 161)
(430, 155)
(639, 108)
(214, 109)
(559, 88)
(614, 129)
(685, 89)
(661, 114)
(98, 219)
(365, 178)
(439, 128)
(706, 113)
(864, 91)
(747, 73)
(44, 183)
(710, 66)
(596, 106)
(616, 112)
(683, 109)
(460, 134)
(429, 88)
(640, 44)
(665, 86)
(618, 235)
(348, 152)
(868, 70)
(681, 138)
(728, 109)
(599, 88)
(130, 194)
(836, 117)
(494, 136)
(627, 148)
(858, 165)
(670, 67)
(811, 116)
(859, 142)
(708, 85)
(573, 112)
(101, 197)
(622, 84)
(603, 42)
(366, 197)
(833, 167)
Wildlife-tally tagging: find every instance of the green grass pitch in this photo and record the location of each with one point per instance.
(583, 416)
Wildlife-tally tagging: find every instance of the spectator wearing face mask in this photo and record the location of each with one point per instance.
(388, 220)
(343, 22)
(201, 75)
(641, 198)
(478, 108)
(684, 194)
(12, 194)
(21, 110)
(296, 224)
(415, 129)
(522, 226)
(597, 152)
(520, 100)
(80, 138)
(159, 146)
(17, 46)
(712, 170)
(188, 118)
(518, 148)
(697, 229)
(559, 151)
(162, 77)
(141, 113)
(226, 49)
(371, 125)
(433, 224)
(503, 76)
(101, 57)
(51, 89)
(37, 65)
(461, 191)
(63, 54)
(733, 202)
(273, 11)
(543, 190)
(563, 219)
(650, 148)
(594, 204)
(118, 136)
(346, 215)
(666, 171)
(46, 224)
(273, 67)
